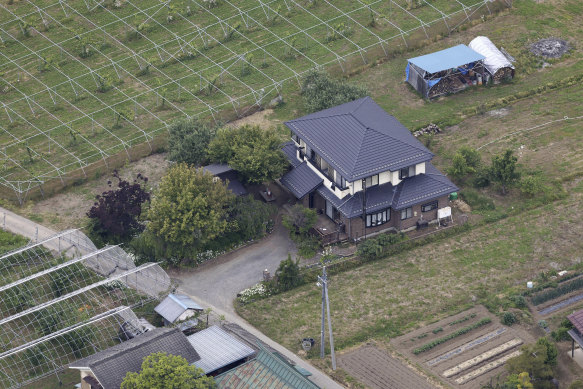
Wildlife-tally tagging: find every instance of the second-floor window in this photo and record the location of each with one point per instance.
(295, 138)
(371, 181)
(340, 181)
(405, 172)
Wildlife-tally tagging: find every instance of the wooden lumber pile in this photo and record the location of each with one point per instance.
(446, 85)
(502, 74)
(430, 129)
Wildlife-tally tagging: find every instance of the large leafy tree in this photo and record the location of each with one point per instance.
(538, 360)
(299, 219)
(321, 92)
(166, 371)
(248, 217)
(189, 209)
(188, 141)
(115, 215)
(503, 170)
(253, 152)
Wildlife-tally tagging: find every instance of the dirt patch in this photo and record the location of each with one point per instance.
(462, 206)
(378, 370)
(259, 118)
(499, 112)
(550, 48)
(68, 209)
(452, 360)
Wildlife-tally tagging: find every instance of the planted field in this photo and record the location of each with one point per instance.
(84, 80)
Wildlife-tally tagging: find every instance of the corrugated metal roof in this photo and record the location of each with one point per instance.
(111, 365)
(267, 370)
(217, 349)
(174, 305)
(301, 180)
(359, 139)
(449, 58)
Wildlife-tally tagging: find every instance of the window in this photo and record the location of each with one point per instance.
(340, 181)
(406, 213)
(295, 138)
(378, 218)
(372, 181)
(407, 172)
(429, 206)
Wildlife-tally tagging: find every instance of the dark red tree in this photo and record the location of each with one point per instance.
(114, 217)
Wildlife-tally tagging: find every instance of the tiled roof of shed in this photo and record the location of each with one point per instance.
(301, 180)
(111, 365)
(266, 371)
(577, 319)
(359, 139)
(218, 349)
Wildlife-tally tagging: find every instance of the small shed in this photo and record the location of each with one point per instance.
(497, 64)
(218, 350)
(445, 71)
(576, 333)
(227, 174)
(177, 307)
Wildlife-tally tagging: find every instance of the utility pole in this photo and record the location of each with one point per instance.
(323, 282)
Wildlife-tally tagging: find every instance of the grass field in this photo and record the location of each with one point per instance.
(81, 81)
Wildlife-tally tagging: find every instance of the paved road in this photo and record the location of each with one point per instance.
(216, 284)
(219, 281)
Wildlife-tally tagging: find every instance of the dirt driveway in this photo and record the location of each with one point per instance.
(218, 281)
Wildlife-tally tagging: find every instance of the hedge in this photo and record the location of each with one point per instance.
(557, 292)
(461, 331)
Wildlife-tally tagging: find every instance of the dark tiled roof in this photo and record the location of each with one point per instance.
(301, 180)
(266, 371)
(291, 152)
(217, 168)
(422, 187)
(360, 139)
(110, 366)
(577, 320)
(410, 191)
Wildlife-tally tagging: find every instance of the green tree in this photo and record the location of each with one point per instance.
(472, 156)
(253, 152)
(248, 217)
(503, 170)
(459, 167)
(188, 141)
(288, 274)
(188, 210)
(538, 360)
(299, 219)
(578, 384)
(166, 371)
(320, 91)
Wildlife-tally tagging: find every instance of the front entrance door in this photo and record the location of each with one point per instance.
(329, 210)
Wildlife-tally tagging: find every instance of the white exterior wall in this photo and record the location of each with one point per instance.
(395, 178)
(384, 177)
(327, 183)
(420, 168)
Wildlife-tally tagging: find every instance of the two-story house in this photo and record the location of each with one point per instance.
(363, 169)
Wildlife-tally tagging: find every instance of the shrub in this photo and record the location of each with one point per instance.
(188, 141)
(518, 301)
(477, 201)
(256, 292)
(461, 331)
(532, 185)
(320, 91)
(299, 219)
(374, 248)
(287, 275)
(508, 318)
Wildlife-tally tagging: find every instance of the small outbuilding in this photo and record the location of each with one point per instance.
(445, 71)
(497, 64)
(177, 307)
(227, 174)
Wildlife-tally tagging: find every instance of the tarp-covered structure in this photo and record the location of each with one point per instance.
(495, 62)
(424, 73)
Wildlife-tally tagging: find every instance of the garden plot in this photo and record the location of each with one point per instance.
(556, 298)
(378, 370)
(466, 349)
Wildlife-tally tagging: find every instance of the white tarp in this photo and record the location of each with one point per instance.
(494, 60)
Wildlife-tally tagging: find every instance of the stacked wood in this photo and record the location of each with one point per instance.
(430, 129)
(502, 74)
(446, 85)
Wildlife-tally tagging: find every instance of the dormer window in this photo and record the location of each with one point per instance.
(371, 181)
(406, 172)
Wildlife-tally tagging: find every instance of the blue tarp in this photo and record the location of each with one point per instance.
(433, 82)
(446, 59)
(407, 72)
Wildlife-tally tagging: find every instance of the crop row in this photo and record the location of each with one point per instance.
(461, 331)
(560, 290)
